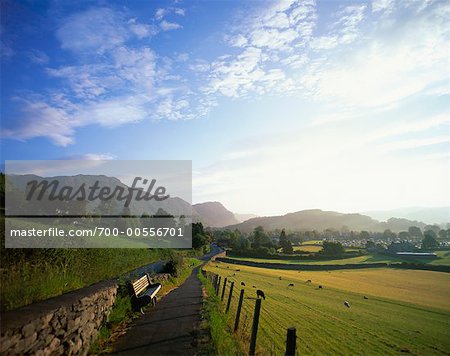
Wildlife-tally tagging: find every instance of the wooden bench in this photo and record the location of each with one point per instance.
(143, 292)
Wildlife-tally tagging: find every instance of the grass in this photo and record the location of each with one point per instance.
(121, 313)
(308, 248)
(217, 325)
(48, 273)
(443, 259)
(406, 311)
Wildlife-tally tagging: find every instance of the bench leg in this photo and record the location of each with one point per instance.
(154, 301)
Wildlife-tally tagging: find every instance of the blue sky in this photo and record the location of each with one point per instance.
(281, 106)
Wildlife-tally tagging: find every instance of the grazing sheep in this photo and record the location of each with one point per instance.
(260, 293)
(320, 287)
(291, 285)
(234, 274)
(238, 270)
(228, 266)
(254, 286)
(279, 278)
(308, 281)
(366, 297)
(347, 304)
(242, 284)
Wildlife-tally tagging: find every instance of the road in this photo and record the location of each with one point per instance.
(169, 327)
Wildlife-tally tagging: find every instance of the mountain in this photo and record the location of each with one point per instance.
(244, 217)
(214, 214)
(173, 205)
(436, 215)
(320, 220)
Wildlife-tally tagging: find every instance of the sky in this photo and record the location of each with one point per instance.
(281, 106)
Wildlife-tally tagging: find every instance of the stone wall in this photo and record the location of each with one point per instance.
(66, 324)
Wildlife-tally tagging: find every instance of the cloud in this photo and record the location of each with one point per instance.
(38, 57)
(98, 30)
(383, 5)
(168, 26)
(91, 157)
(159, 14)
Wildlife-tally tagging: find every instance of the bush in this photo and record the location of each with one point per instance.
(175, 265)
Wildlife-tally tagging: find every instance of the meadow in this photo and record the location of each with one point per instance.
(443, 259)
(405, 310)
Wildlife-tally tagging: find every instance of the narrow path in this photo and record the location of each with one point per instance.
(166, 329)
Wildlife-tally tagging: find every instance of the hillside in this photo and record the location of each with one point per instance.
(214, 214)
(320, 220)
(434, 215)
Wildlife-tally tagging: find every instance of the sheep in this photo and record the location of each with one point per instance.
(308, 281)
(261, 294)
(254, 286)
(320, 287)
(366, 297)
(238, 270)
(291, 285)
(243, 284)
(347, 304)
(279, 278)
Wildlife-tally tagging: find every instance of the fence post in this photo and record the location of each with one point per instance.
(218, 285)
(255, 327)
(224, 286)
(229, 297)
(238, 313)
(290, 341)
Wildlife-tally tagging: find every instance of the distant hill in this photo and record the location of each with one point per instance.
(320, 220)
(244, 217)
(214, 214)
(173, 205)
(437, 215)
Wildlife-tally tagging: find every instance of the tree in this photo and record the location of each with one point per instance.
(285, 244)
(258, 236)
(404, 235)
(364, 235)
(199, 238)
(370, 245)
(332, 248)
(388, 234)
(443, 234)
(434, 228)
(415, 231)
(429, 241)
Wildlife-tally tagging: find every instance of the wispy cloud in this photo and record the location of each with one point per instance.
(168, 26)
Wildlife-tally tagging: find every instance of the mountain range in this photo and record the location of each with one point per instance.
(215, 215)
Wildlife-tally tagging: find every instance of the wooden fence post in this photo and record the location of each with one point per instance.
(229, 297)
(218, 285)
(255, 327)
(291, 339)
(238, 313)
(224, 286)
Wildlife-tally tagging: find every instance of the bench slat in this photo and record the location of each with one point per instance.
(140, 284)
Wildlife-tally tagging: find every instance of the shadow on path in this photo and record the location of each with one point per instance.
(166, 329)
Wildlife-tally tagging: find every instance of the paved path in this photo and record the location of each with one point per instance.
(166, 329)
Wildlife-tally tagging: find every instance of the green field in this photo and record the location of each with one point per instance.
(406, 311)
(444, 259)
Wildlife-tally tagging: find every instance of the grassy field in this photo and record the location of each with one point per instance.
(308, 248)
(444, 259)
(406, 311)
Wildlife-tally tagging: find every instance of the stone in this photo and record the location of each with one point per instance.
(29, 329)
(7, 342)
(46, 319)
